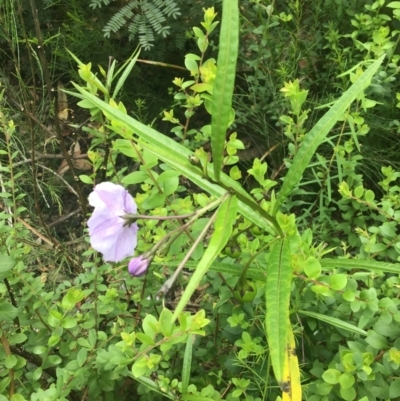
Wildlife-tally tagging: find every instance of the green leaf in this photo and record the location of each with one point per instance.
(81, 356)
(372, 265)
(137, 177)
(17, 338)
(86, 179)
(331, 376)
(224, 81)
(394, 389)
(10, 362)
(225, 218)
(18, 397)
(348, 394)
(312, 268)
(376, 340)
(37, 374)
(166, 322)
(318, 133)
(334, 322)
(126, 68)
(338, 281)
(346, 380)
(187, 363)
(6, 265)
(69, 322)
(145, 339)
(8, 312)
(153, 386)
(277, 297)
(178, 158)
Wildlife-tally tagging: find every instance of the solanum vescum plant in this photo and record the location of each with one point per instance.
(185, 273)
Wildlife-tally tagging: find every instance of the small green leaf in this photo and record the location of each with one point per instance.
(39, 350)
(6, 265)
(37, 374)
(69, 322)
(166, 322)
(81, 357)
(10, 362)
(331, 376)
(54, 359)
(348, 394)
(8, 312)
(346, 380)
(338, 281)
(312, 268)
(145, 339)
(86, 179)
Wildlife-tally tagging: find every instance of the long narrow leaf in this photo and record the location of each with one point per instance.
(224, 81)
(226, 217)
(187, 363)
(334, 322)
(291, 387)
(371, 265)
(177, 156)
(277, 296)
(318, 133)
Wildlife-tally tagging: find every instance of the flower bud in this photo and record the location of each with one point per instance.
(138, 266)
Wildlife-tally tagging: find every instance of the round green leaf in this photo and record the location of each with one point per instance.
(349, 296)
(53, 340)
(69, 323)
(346, 380)
(10, 362)
(331, 376)
(348, 394)
(86, 179)
(312, 268)
(338, 281)
(37, 373)
(39, 350)
(394, 389)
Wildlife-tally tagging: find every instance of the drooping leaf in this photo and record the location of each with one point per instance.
(334, 322)
(277, 296)
(226, 217)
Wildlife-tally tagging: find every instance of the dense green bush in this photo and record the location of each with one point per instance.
(267, 280)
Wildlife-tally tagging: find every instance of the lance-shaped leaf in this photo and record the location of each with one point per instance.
(291, 386)
(277, 297)
(334, 322)
(318, 133)
(224, 81)
(371, 265)
(224, 221)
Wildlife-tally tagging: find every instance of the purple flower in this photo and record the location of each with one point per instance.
(108, 234)
(138, 266)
